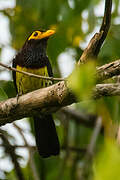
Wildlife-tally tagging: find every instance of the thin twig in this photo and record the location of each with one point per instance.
(103, 72)
(33, 148)
(96, 131)
(86, 167)
(31, 74)
(65, 145)
(32, 164)
(21, 133)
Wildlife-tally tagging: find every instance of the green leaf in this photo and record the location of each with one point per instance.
(112, 104)
(8, 87)
(82, 80)
(107, 163)
(3, 95)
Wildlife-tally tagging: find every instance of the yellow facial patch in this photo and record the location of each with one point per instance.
(41, 35)
(27, 84)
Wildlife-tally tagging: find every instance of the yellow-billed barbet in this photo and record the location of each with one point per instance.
(32, 58)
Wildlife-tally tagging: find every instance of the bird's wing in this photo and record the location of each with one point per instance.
(49, 67)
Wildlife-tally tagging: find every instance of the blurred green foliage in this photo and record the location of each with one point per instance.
(74, 21)
(3, 95)
(107, 162)
(82, 80)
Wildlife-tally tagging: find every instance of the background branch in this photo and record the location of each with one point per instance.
(90, 150)
(11, 151)
(31, 159)
(87, 120)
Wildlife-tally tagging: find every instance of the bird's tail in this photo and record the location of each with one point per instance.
(46, 136)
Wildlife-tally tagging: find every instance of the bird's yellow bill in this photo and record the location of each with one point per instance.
(48, 33)
(41, 35)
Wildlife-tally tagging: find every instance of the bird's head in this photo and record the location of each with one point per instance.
(38, 39)
(40, 35)
(33, 51)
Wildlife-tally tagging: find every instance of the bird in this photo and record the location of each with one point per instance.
(32, 58)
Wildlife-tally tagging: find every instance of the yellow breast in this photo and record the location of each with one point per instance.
(27, 84)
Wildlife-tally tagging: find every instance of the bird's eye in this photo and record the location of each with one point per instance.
(35, 34)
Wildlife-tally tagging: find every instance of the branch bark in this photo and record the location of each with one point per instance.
(44, 100)
(93, 48)
(106, 90)
(108, 70)
(47, 100)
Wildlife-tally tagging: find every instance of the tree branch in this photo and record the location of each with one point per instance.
(47, 100)
(88, 120)
(108, 70)
(97, 40)
(106, 90)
